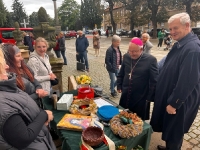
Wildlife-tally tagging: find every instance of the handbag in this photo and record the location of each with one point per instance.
(80, 66)
(78, 58)
(54, 82)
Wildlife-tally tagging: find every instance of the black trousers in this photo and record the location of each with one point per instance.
(160, 42)
(174, 145)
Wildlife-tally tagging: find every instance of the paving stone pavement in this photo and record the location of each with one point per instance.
(100, 77)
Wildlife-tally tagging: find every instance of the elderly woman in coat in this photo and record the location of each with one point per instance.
(39, 63)
(147, 45)
(96, 43)
(22, 123)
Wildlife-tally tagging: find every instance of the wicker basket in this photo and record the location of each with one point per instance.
(93, 136)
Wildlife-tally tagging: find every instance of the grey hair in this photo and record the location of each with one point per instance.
(146, 35)
(116, 38)
(184, 18)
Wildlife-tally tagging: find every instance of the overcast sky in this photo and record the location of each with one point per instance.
(34, 5)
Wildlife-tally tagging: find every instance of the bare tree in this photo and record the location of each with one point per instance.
(136, 14)
(111, 7)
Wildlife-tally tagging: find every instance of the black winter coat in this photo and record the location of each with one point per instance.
(61, 42)
(141, 86)
(179, 86)
(111, 59)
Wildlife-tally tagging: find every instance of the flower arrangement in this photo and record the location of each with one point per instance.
(83, 79)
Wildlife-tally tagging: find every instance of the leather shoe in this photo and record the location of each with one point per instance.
(160, 147)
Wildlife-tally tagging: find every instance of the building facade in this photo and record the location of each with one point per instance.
(121, 17)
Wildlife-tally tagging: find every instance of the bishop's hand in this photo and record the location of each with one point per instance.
(171, 110)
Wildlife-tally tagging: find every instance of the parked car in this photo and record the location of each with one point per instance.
(135, 33)
(196, 30)
(88, 31)
(102, 31)
(70, 34)
(122, 32)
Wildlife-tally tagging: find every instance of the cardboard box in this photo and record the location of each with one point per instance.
(65, 102)
(72, 84)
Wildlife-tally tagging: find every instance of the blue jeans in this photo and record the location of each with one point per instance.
(83, 57)
(113, 81)
(57, 52)
(59, 56)
(64, 57)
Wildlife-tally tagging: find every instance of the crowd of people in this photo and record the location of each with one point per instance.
(172, 84)
(24, 125)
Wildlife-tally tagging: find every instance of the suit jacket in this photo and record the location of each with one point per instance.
(147, 47)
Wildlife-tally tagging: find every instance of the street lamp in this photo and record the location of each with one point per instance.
(55, 12)
(103, 22)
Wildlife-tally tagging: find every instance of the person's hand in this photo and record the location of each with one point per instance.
(52, 76)
(41, 93)
(171, 110)
(119, 91)
(77, 53)
(50, 117)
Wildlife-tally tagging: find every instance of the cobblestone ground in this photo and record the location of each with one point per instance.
(100, 76)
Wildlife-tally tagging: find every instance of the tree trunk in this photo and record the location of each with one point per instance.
(154, 12)
(132, 26)
(188, 5)
(111, 5)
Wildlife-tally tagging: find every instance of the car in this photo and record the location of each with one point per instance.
(122, 32)
(135, 33)
(88, 31)
(70, 34)
(6, 34)
(101, 31)
(196, 30)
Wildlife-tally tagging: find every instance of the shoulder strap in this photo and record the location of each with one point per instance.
(42, 62)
